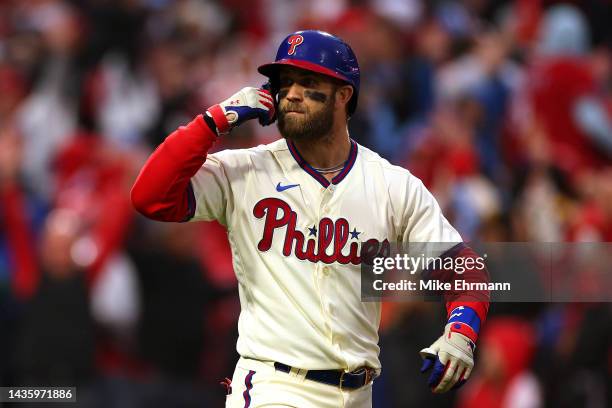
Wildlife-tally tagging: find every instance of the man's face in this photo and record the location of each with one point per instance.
(306, 104)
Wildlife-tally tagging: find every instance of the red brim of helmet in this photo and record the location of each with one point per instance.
(271, 69)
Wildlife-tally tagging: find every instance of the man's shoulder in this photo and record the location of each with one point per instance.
(374, 161)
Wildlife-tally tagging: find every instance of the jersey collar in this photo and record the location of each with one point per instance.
(318, 176)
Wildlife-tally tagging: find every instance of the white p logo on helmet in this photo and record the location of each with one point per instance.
(294, 41)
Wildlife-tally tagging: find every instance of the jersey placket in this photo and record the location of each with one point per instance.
(325, 273)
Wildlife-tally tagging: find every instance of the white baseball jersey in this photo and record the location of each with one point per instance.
(296, 241)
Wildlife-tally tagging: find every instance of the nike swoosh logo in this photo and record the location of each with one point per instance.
(280, 188)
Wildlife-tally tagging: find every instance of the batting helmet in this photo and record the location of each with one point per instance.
(320, 52)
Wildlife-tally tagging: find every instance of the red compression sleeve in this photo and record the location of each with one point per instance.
(162, 190)
(475, 299)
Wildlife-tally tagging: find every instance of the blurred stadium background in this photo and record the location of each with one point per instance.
(502, 108)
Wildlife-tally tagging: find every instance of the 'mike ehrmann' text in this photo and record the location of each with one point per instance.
(436, 285)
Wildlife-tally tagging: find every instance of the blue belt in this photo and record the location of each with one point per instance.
(345, 380)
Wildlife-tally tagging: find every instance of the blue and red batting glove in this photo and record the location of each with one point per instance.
(246, 104)
(451, 357)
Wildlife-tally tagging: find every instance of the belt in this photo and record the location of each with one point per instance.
(345, 380)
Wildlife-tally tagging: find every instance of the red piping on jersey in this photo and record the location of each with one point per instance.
(315, 174)
(307, 167)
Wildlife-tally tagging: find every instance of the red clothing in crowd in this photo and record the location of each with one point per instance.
(89, 179)
(512, 341)
(555, 86)
(26, 276)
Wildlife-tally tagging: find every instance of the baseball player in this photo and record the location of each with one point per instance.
(298, 213)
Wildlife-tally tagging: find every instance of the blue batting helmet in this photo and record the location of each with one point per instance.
(319, 52)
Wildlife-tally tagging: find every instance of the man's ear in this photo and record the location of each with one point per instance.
(344, 94)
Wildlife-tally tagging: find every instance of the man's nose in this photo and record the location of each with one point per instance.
(295, 92)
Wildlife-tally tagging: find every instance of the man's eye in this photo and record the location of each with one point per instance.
(284, 82)
(309, 82)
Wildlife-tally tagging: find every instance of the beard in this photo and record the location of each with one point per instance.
(306, 126)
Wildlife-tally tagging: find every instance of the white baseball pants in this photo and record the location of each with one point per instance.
(258, 384)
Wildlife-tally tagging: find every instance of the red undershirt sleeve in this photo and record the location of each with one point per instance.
(476, 300)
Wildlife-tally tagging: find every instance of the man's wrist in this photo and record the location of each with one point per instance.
(464, 320)
(463, 329)
(218, 117)
(210, 123)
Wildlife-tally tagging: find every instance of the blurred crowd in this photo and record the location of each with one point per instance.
(502, 108)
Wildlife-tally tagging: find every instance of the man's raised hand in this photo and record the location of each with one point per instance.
(246, 104)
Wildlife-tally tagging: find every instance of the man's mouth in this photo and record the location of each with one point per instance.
(293, 113)
(293, 110)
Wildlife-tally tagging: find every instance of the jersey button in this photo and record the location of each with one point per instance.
(326, 270)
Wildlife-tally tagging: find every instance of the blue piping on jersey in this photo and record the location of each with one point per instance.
(318, 176)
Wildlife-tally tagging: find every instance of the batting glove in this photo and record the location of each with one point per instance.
(451, 356)
(248, 103)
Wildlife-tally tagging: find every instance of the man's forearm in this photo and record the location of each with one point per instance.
(162, 190)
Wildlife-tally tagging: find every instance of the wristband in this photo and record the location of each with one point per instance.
(218, 116)
(210, 123)
(466, 321)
